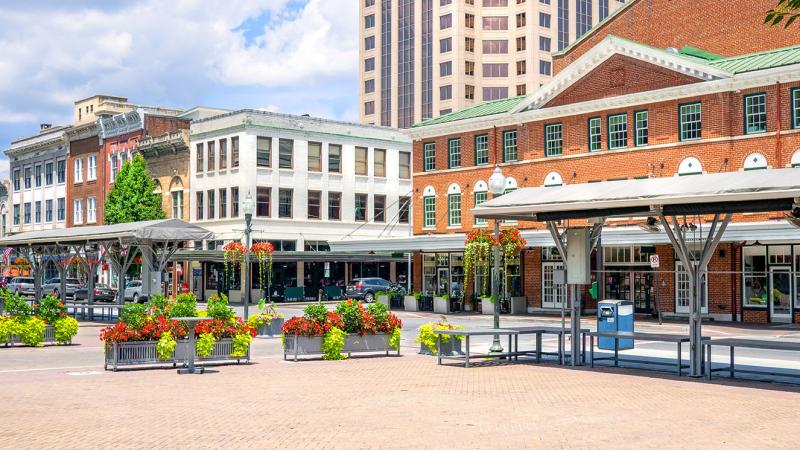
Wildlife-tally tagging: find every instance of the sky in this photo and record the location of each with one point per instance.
(298, 57)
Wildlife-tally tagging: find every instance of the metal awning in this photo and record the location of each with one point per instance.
(728, 192)
(366, 256)
(150, 230)
(776, 231)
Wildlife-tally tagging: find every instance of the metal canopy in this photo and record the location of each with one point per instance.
(154, 240)
(150, 230)
(720, 195)
(735, 192)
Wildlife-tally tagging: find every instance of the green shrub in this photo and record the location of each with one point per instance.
(8, 326)
(379, 311)
(16, 306)
(165, 348)
(333, 344)
(394, 339)
(31, 331)
(158, 304)
(50, 309)
(185, 306)
(65, 329)
(205, 345)
(316, 312)
(133, 315)
(417, 296)
(351, 313)
(241, 344)
(218, 308)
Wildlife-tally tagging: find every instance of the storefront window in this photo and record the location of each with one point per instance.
(780, 254)
(755, 276)
(429, 273)
(797, 274)
(457, 275)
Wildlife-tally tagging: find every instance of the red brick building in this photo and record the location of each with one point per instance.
(620, 110)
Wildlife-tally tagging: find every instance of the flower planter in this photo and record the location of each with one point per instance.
(383, 299)
(410, 303)
(449, 348)
(519, 305)
(49, 337)
(295, 346)
(440, 305)
(271, 329)
(143, 353)
(487, 307)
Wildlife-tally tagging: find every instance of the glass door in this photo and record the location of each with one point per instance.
(642, 288)
(780, 283)
(443, 283)
(552, 294)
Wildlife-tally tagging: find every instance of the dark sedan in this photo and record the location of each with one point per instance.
(102, 293)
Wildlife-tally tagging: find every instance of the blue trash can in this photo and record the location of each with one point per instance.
(614, 316)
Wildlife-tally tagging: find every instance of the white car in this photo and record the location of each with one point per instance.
(21, 286)
(133, 290)
(53, 286)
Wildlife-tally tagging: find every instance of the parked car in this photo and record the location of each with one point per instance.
(102, 293)
(21, 286)
(54, 285)
(365, 288)
(133, 290)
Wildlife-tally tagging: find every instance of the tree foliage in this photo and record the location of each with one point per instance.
(785, 9)
(132, 199)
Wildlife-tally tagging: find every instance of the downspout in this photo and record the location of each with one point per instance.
(778, 118)
(734, 254)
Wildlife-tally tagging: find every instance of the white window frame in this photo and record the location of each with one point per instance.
(91, 210)
(681, 290)
(553, 295)
(91, 168)
(77, 170)
(426, 214)
(453, 213)
(77, 212)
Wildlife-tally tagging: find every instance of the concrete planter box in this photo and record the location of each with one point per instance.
(49, 337)
(271, 329)
(383, 299)
(519, 305)
(441, 305)
(449, 348)
(143, 353)
(487, 307)
(410, 303)
(296, 346)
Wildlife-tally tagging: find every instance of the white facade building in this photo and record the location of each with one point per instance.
(38, 165)
(312, 181)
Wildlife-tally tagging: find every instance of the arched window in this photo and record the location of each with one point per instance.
(429, 207)
(454, 189)
(511, 185)
(690, 166)
(553, 179)
(176, 192)
(796, 159)
(176, 184)
(480, 194)
(454, 205)
(755, 161)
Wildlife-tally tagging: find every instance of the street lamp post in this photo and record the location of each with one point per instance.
(248, 207)
(497, 185)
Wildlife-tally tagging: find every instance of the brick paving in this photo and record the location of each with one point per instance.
(405, 402)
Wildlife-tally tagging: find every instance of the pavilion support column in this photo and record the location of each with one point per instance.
(696, 265)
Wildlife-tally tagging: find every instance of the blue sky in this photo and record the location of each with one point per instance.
(285, 55)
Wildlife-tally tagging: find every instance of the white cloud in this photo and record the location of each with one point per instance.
(178, 53)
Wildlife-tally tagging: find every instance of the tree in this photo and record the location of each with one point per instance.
(132, 198)
(785, 9)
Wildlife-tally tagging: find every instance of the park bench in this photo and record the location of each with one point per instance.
(747, 343)
(470, 333)
(679, 340)
(539, 331)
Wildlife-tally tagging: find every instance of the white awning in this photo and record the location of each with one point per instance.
(747, 191)
(150, 230)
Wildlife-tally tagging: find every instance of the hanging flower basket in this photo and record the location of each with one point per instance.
(234, 252)
(263, 252)
(477, 254)
(512, 244)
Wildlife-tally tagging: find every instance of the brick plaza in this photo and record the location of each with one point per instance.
(59, 397)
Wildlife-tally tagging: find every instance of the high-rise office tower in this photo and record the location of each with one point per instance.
(424, 58)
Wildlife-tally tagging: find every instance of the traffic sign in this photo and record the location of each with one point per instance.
(655, 262)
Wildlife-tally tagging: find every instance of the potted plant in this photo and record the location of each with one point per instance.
(351, 328)
(441, 304)
(411, 302)
(44, 322)
(428, 339)
(382, 297)
(487, 305)
(268, 320)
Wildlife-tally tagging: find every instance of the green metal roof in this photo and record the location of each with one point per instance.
(759, 61)
(699, 53)
(482, 109)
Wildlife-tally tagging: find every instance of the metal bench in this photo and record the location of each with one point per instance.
(539, 331)
(475, 332)
(747, 343)
(659, 337)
